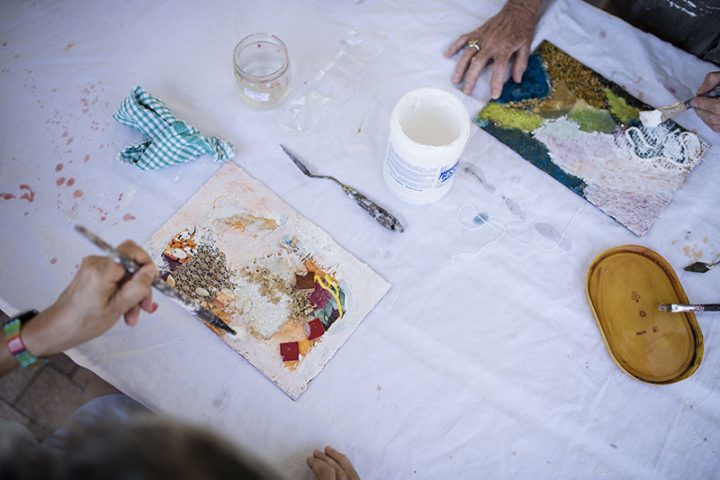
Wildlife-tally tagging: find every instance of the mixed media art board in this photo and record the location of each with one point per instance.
(293, 295)
(584, 131)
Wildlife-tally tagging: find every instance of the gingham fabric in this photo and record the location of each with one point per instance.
(169, 141)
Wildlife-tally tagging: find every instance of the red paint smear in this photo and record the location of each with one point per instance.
(53, 261)
(30, 195)
(71, 181)
(87, 158)
(7, 196)
(58, 167)
(60, 181)
(127, 217)
(78, 193)
(69, 141)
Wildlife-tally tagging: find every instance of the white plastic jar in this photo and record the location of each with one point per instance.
(429, 129)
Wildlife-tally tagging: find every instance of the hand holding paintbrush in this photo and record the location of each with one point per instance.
(706, 104)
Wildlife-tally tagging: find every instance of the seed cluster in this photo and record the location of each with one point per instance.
(578, 78)
(204, 276)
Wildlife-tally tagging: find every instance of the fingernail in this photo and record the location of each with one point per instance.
(154, 307)
(317, 452)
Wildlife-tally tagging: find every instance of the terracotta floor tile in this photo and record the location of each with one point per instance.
(15, 382)
(51, 399)
(8, 412)
(63, 363)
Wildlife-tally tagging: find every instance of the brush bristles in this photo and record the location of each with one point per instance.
(672, 110)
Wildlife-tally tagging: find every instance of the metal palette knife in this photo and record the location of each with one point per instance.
(382, 216)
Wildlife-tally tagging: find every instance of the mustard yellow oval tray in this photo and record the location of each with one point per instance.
(624, 287)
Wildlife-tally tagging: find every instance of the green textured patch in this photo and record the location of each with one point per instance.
(620, 108)
(592, 119)
(510, 118)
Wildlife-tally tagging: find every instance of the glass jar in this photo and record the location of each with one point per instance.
(262, 70)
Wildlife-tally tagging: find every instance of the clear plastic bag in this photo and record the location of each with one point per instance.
(332, 82)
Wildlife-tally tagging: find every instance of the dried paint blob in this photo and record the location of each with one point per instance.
(514, 208)
(60, 181)
(53, 260)
(71, 182)
(551, 233)
(127, 217)
(7, 196)
(480, 218)
(78, 193)
(58, 167)
(477, 174)
(29, 194)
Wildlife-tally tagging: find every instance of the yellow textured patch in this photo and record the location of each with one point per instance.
(620, 108)
(511, 118)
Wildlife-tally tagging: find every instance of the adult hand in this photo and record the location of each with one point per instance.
(708, 108)
(331, 465)
(506, 34)
(97, 297)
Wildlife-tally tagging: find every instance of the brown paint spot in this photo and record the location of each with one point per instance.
(7, 196)
(53, 261)
(69, 141)
(635, 296)
(78, 193)
(60, 181)
(127, 217)
(655, 329)
(643, 314)
(58, 167)
(69, 47)
(641, 332)
(71, 181)
(29, 195)
(87, 158)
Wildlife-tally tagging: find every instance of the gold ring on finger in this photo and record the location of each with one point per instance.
(473, 44)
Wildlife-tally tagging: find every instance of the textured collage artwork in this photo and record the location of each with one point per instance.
(584, 131)
(293, 295)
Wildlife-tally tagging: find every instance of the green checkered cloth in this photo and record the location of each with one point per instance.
(169, 141)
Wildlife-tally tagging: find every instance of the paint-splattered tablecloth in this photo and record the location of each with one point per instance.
(482, 361)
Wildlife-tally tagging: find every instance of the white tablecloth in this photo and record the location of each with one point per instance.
(482, 361)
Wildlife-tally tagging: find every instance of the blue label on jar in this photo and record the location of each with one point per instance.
(446, 174)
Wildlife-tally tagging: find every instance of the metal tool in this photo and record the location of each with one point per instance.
(670, 111)
(701, 267)
(679, 307)
(382, 216)
(181, 299)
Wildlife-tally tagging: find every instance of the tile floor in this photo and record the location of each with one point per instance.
(44, 397)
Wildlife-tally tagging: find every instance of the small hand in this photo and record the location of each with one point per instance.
(96, 298)
(506, 34)
(331, 465)
(708, 109)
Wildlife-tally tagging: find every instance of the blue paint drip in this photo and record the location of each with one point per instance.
(534, 84)
(536, 153)
(480, 218)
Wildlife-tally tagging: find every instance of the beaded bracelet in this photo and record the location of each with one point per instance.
(14, 341)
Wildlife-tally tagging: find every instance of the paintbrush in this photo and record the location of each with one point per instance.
(653, 118)
(131, 267)
(680, 308)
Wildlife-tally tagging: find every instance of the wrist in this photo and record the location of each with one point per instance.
(37, 334)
